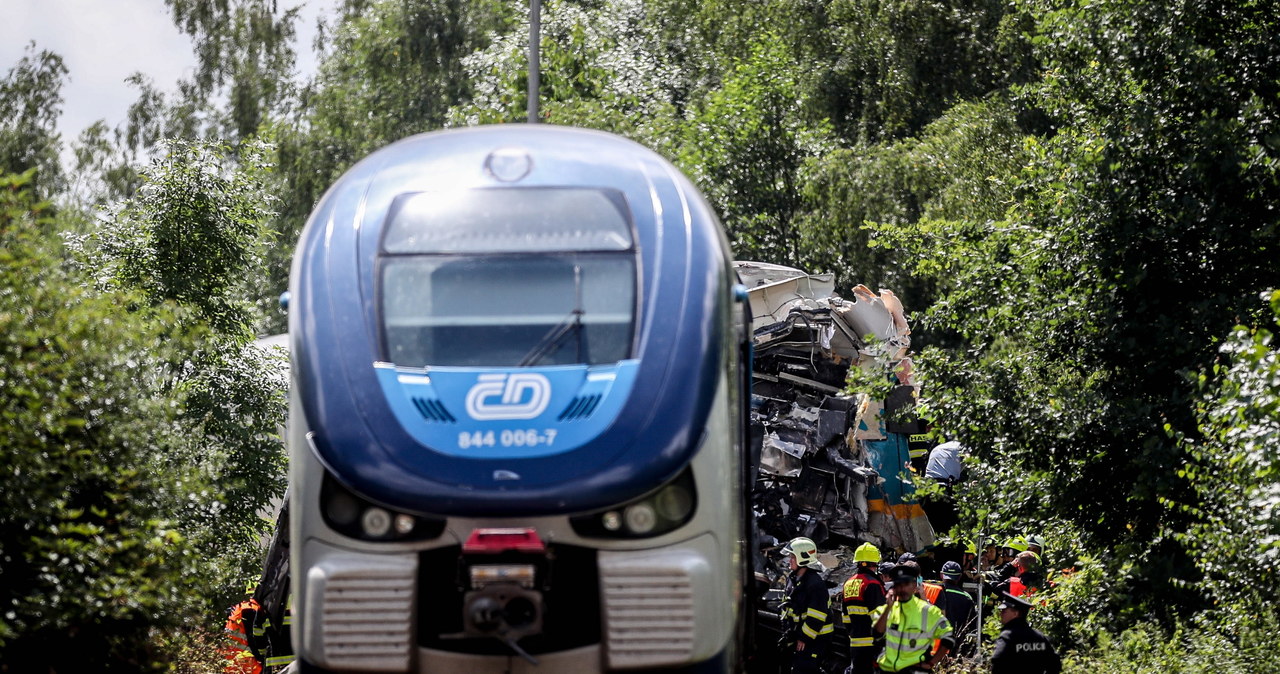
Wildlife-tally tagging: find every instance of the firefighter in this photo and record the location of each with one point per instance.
(1026, 578)
(1020, 649)
(281, 640)
(808, 606)
(246, 627)
(911, 626)
(1008, 552)
(959, 608)
(862, 594)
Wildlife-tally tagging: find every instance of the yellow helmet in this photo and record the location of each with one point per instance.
(867, 553)
(1016, 543)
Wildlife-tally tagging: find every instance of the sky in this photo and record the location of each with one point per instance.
(102, 42)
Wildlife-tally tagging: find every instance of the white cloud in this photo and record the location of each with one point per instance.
(105, 41)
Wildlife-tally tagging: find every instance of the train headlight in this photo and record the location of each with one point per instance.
(641, 518)
(350, 515)
(664, 509)
(375, 522)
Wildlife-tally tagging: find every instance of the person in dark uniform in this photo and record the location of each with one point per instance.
(862, 594)
(808, 607)
(1020, 649)
(959, 608)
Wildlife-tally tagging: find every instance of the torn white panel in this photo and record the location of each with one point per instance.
(778, 457)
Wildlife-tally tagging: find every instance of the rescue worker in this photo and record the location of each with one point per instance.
(862, 594)
(281, 641)
(1026, 578)
(1008, 552)
(959, 608)
(808, 606)
(910, 626)
(246, 627)
(1036, 544)
(972, 576)
(1020, 649)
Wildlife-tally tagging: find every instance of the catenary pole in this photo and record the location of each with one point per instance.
(535, 41)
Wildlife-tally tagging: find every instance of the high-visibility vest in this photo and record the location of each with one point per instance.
(931, 592)
(1018, 588)
(240, 658)
(913, 626)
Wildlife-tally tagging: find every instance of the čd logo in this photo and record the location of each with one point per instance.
(508, 396)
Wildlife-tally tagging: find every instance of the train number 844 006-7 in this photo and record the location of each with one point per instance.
(531, 437)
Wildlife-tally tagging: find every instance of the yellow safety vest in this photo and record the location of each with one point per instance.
(909, 633)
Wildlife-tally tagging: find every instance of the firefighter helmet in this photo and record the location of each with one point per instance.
(867, 552)
(1016, 543)
(805, 552)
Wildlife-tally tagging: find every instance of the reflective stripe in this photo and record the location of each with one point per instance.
(815, 613)
(857, 610)
(279, 660)
(827, 629)
(808, 632)
(861, 642)
(906, 648)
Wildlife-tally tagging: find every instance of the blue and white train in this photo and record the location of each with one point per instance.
(517, 416)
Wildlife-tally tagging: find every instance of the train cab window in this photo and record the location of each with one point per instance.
(508, 277)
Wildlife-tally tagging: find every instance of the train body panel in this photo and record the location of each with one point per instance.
(516, 416)
(682, 262)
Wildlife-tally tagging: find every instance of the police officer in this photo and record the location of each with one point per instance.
(1020, 649)
(808, 606)
(862, 594)
(910, 626)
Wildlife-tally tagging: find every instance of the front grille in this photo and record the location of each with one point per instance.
(433, 410)
(366, 611)
(580, 407)
(649, 615)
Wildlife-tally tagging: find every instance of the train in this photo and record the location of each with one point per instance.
(520, 379)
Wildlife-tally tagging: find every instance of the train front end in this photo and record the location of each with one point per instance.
(516, 416)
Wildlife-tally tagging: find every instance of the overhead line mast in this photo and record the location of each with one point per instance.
(535, 40)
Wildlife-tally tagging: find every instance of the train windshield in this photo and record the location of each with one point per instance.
(508, 278)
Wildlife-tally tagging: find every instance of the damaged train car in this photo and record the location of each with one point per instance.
(831, 461)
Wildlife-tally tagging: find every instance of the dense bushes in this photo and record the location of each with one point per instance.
(139, 435)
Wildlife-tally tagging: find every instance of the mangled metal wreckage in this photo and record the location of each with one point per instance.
(831, 461)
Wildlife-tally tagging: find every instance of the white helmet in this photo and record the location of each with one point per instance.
(805, 552)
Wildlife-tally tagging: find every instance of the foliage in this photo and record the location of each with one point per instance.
(245, 54)
(185, 455)
(1235, 469)
(893, 67)
(194, 235)
(1082, 194)
(92, 559)
(30, 100)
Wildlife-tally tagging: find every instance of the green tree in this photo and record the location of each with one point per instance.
(1143, 222)
(30, 104)
(193, 237)
(93, 558)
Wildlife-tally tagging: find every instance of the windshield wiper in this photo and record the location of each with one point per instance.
(572, 324)
(554, 338)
